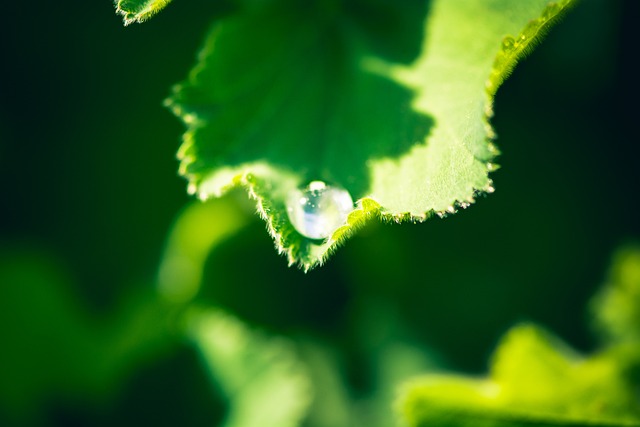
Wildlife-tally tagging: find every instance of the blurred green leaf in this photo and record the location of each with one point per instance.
(139, 10)
(295, 91)
(535, 380)
(194, 234)
(617, 307)
(616, 312)
(356, 389)
(539, 373)
(53, 346)
(266, 384)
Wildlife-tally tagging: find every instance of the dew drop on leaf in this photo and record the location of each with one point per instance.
(318, 209)
(508, 42)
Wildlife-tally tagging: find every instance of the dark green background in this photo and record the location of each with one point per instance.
(89, 186)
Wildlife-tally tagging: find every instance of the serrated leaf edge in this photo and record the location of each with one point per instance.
(513, 49)
(367, 207)
(151, 8)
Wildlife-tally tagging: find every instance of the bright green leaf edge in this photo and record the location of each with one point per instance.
(265, 183)
(469, 409)
(535, 380)
(139, 10)
(514, 49)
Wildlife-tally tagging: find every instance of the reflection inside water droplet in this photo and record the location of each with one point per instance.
(318, 209)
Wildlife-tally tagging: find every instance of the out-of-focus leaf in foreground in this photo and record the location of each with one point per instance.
(534, 380)
(388, 101)
(616, 312)
(195, 233)
(617, 307)
(139, 10)
(53, 346)
(537, 380)
(262, 378)
(266, 384)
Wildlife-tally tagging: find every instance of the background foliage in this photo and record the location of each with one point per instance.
(90, 191)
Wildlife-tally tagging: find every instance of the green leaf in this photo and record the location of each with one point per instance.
(535, 380)
(139, 10)
(382, 349)
(266, 384)
(197, 230)
(53, 346)
(617, 307)
(616, 311)
(389, 102)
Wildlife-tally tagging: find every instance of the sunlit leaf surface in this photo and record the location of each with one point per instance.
(388, 101)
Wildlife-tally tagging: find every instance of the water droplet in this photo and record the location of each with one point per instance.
(508, 42)
(318, 209)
